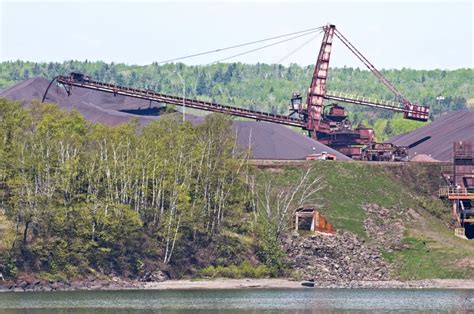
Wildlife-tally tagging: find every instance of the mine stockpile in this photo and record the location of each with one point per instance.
(267, 140)
(326, 123)
(435, 140)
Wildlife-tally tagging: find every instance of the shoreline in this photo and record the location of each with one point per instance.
(224, 283)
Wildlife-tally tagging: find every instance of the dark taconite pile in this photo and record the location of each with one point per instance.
(267, 140)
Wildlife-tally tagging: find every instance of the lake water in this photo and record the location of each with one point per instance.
(240, 301)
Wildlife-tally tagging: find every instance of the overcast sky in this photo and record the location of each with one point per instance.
(420, 35)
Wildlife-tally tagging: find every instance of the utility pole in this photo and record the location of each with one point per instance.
(184, 94)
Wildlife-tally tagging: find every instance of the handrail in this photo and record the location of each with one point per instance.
(447, 191)
(463, 154)
(395, 105)
(411, 111)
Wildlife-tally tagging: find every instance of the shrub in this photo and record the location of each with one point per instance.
(209, 271)
(243, 270)
(271, 255)
(9, 267)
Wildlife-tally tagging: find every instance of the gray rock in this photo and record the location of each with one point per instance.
(341, 258)
(155, 276)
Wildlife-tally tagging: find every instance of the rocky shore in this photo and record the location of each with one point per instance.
(340, 259)
(27, 284)
(335, 261)
(223, 283)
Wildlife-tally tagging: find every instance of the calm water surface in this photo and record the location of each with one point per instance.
(240, 301)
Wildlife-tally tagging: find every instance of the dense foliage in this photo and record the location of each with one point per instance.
(83, 198)
(268, 87)
(79, 199)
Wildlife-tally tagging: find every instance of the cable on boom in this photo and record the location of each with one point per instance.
(263, 47)
(299, 48)
(240, 45)
(370, 66)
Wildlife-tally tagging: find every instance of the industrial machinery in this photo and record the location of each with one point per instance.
(329, 126)
(460, 188)
(332, 127)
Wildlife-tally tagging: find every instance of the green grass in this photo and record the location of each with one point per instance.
(243, 270)
(348, 186)
(431, 249)
(424, 260)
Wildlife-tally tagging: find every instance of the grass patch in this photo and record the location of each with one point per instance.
(244, 270)
(431, 249)
(348, 186)
(424, 260)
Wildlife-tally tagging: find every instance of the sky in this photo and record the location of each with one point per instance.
(402, 34)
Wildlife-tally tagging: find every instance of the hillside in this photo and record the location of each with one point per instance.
(393, 208)
(174, 200)
(269, 87)
(411, 236)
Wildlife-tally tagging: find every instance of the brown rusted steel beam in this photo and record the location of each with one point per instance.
(461, 196)
(175, 100)
(413, 112)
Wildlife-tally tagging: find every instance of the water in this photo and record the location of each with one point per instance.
(240, 301)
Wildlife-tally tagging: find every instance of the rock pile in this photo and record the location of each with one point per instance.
(155, 276)
(31, 283)
(340, 258)
(384, 226)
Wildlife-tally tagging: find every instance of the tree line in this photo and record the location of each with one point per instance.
(265, 87)
(78, 198)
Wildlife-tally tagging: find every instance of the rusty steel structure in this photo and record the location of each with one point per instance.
(333, 128)
(82, 81)
(460, 188)
(330, 127)
(309, 219)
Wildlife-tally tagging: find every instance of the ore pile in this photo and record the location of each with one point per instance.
(93, 105)
(436, 139)
(423, 158)
(267, 140)
(339, 258)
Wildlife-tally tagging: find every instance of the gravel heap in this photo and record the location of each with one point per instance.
(338, 259)
(423, 158)
(384, 226)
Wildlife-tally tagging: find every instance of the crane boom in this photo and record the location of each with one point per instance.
(317, 93)
(79, 80)
(317, 89)
(412, 111)
(332, 128)
(370, 66)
